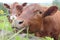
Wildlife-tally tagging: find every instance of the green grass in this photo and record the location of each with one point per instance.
(4, 24)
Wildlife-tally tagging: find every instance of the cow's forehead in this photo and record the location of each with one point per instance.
(13, 8)
(28, 12)
(32, 6)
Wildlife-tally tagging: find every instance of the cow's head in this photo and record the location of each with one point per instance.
(33, 18)
(15, 9)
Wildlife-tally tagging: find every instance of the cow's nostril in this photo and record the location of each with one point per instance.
(20, 22)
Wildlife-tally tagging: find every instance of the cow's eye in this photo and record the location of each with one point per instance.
(40, 12)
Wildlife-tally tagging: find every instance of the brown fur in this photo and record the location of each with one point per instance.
(41, 21)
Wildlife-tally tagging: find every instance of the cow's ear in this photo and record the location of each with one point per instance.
(19, 7)
(24, 4)
(50, 11)
(6, 5)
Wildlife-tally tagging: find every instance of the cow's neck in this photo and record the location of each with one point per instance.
(48, 24)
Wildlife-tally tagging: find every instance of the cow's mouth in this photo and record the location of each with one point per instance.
(24, 30)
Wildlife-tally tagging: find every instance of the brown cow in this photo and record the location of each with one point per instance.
(15, 10)
(41, 22)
